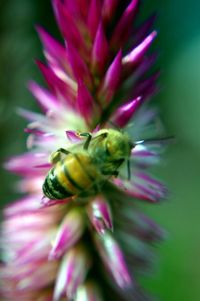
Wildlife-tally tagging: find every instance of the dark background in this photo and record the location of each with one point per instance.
(177, 276)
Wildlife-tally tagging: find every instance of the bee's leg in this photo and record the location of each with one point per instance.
(129, 169)
(56, 156)
(87, 142)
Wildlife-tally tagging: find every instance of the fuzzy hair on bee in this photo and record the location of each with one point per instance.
(85, 170)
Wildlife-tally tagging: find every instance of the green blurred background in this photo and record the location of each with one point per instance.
(177, 276)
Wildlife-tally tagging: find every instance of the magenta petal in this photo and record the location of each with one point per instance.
(83, 7)
(155, 188)
(144, 155)
(57, 85)
(111, 80)
(55, 52)
(46, 99)
(85, 102)
(31, 116)
(144, 29)
(147, 230)
(73, 136)
(134, 57)
(25, 163)
(74, 8)
(99, 51)
(94, 15)
(145, 66)
(69, 28)
(72, 272)
(143, 186)
(123, 27)
(46, 202)
(24, 205)
(68, 234)
(126, 111)
(34, 131)
(44, 165)
(96, 129)
(147, 87)
(100, 215)
(79, 67)
(113, 259)
(108, 10)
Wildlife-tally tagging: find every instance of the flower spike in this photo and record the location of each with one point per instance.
(78, 232)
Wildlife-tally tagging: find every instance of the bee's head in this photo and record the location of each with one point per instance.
(117, 145)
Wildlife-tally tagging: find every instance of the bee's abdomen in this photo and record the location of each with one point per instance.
(53, 189)
(69, 177)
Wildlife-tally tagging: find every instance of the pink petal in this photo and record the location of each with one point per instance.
(83, 6)
(79, 67)
(26, 204)
(113, 258)
(42, 276)
(99, 51)
(100, 215)
(134, 57)
(46, 99)
(55, 52)
(94, 15)
(56, 84)
(73, 136)
(34, 131)
(144, 29)
(108, 10)
(147, 229)
(85, 102)
(96, 129)
(46, 202)
(145, 65)
(31, 116)
(123, 27)
(124, 113)
(68, 234)
(144, 156)
(25, 163)
(72, 272)
(111, 80)
(143, 187)
(69, 28)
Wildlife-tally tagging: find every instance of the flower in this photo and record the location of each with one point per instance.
(55, 249)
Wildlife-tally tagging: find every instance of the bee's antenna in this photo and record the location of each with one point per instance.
(162, 140)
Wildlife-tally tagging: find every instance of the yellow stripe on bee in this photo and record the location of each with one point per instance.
(63, 180)
(78, 172)
(76, 179)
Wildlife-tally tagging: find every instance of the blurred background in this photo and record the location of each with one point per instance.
(177, 276)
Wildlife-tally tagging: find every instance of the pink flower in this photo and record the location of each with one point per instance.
(56, 248)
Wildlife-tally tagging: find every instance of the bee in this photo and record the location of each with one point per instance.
(86, 169)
